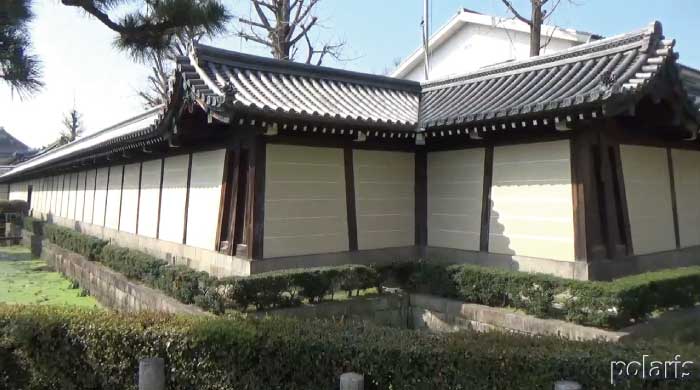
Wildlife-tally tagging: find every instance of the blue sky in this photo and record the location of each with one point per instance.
(80, 64)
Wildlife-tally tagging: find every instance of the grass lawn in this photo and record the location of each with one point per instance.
(33, 282)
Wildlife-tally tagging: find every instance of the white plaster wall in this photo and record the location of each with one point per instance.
(89, 195)
(80, 197)
(18, 191)
(150, 193)
(305, 201)
(4, 191)
(39, 190)
(98, 217)
(532, 201)
(55, 194)
(114, 190)
(72, 195)
(130, 198)
(65, 189)
(205, 198)
(648, 190)
(686, 172)
(384, 198)
(172, 210)
(475, 46)
(455, 192)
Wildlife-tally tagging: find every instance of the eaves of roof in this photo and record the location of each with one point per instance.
(583, 77)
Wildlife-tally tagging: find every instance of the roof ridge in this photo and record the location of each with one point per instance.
(653, 29)
(232, 57)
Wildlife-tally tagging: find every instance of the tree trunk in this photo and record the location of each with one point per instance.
(281, 39)
(535, 28)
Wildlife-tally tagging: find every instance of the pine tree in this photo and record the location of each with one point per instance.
(20, 69)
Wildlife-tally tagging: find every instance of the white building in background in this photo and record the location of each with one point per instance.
(470, 41)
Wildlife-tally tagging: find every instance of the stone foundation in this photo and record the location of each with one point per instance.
(110, 288)
(447, 315)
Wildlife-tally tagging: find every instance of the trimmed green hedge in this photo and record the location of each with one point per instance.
(71, 240)
(287, 288)
(56, 348)
(262, 291)
(614, 304)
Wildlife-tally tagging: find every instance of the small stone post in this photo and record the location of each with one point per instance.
(352, 381)
(567, 385)
(152, 374)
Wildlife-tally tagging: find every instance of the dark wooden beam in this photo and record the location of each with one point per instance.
(138, 198)
(588, 208)
(187, 198)
(82, 212)
(104, 220)
(421, 197)
(579, 173)
(624, 231)
(350, 198)
(674, 201)
(160, 195)
(222, 199)
(258, 198)
(121, 199)
(94, 191)
(486, 200)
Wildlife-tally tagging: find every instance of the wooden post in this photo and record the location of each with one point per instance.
(351, 381)
(152, 374)
(567, 385)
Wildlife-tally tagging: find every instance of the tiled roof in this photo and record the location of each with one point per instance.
(691, 82)
(126, 130)
(583, 76)
(258, 84)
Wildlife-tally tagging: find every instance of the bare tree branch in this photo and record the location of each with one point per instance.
(516, 13)
(282, 25)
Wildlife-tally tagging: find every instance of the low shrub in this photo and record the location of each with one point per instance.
(288, 288)
(178, 281)
(33, 225)
(57, 348)
(71, 240)
(614, 304)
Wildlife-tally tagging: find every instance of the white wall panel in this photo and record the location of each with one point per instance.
(80, 197)
(686, 172)
(63, 198)
(384, 198)
(56, 194)
(172, 210)
(98, 217)
(648, 189)
(532, 201)
(130, 198)
(114, 190)
(150, 193)
(305, 201)
(455, 192)
(18, 191)
(205, 198)
(72, 194)
(89, 195)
